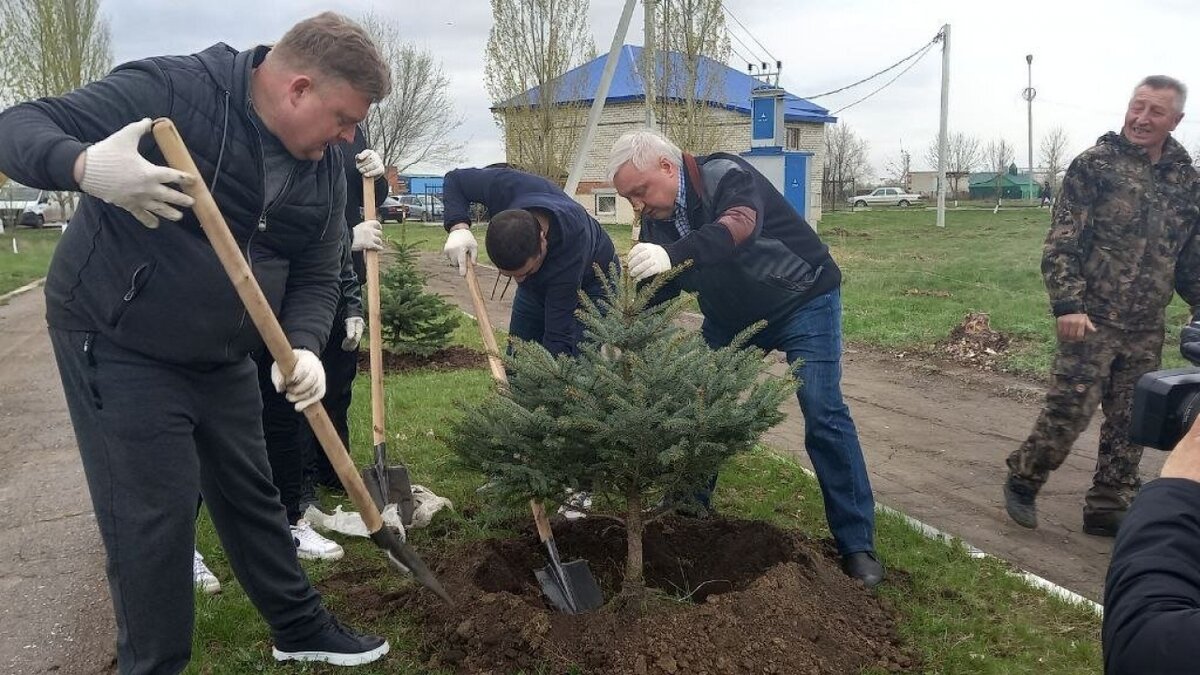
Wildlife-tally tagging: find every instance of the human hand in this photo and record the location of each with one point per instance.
(460, 245)
(369, 163)
(368, 236)
(354, 333)
(115, 172)
(306, 383)
(647, 260)
(1074, 327)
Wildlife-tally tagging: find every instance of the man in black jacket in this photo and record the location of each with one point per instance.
(151, 340)
(340, 357)
(1152, 593)
(297, 460)
(753, 258)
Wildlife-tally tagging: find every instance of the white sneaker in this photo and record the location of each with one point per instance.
(203, 577)
(312, 546)
(576, 506)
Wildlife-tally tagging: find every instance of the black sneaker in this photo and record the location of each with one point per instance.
(334, 644)
(1020, 500)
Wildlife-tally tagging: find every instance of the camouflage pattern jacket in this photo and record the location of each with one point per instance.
(1124, 235)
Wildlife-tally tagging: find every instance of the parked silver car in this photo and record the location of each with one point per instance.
(885, 196)
(422, 207)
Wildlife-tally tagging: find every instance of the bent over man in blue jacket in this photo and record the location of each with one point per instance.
(753, 258)
(151, 339)
(540, 237)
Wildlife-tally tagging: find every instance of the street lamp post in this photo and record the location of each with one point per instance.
(1029, 95)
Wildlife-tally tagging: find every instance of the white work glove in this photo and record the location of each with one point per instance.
(459, 245)
(368, 236)
(646, 260)
(369, 164)
(115, 172)
(354, 331)
(306, 386)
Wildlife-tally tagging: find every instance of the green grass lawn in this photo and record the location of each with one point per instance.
(907, 283)
(961, 614)
(32, 257)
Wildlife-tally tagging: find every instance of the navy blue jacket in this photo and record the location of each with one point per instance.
(1152, 593)
(575, 241)
(163, 292)
(753, 256)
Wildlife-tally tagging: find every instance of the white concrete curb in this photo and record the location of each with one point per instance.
(931, 532)
(24, 289)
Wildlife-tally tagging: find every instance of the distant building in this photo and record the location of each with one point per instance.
(624, 110)
(1013, 184)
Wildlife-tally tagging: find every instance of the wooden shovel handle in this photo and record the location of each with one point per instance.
(248, 290)
(497, 367)
(374, 322)
(485, 326)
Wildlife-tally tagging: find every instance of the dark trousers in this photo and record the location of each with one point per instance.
(151, 436)
(341, 367)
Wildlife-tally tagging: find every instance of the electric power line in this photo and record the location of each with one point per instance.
(735, 19)
(743, 44)
(889, 82)
(923, 48)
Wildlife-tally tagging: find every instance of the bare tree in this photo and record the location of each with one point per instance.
(900, 168)
(963, 155)
(692, 49)
(999, 156)
(415, 123)
(1054, 151)
(52, 47)
(845, 162)
(532, 45)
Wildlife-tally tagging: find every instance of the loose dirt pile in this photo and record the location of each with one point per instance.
(735, 597)
(974, 343)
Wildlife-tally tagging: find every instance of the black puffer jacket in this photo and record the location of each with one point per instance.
(163, 292)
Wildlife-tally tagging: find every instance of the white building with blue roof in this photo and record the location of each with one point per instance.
(726, 92)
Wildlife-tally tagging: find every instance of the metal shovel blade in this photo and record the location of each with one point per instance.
(572, 588)
(400, 492)
(401, 553)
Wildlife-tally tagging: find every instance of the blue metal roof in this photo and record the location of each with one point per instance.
(731, 90)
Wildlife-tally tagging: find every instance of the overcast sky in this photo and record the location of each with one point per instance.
(1087, 55)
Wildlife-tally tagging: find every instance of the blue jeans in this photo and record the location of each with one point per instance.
(812, 335)
(528, 318)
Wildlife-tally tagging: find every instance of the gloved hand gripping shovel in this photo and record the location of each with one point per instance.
(570, 587)
(387, 484)
(227, 250)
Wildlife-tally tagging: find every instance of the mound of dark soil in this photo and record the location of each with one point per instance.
(734, 597)
(454, 357)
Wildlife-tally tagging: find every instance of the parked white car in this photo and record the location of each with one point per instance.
(29, 207)
(885, 196)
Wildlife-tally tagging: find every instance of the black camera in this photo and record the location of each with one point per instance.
(1165, 403)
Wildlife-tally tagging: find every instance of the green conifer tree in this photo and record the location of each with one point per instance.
(646, 411)
(412, 321)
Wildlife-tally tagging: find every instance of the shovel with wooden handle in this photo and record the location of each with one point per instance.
(387, 484)
(570, 587)
(398, 552)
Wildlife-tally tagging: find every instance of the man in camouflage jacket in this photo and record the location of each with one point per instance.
(1123, 236)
